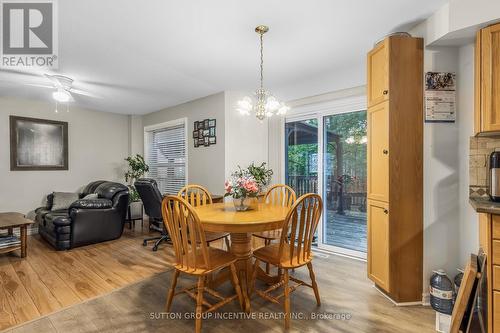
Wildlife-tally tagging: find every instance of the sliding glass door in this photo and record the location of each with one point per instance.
(344, 182)
(326, 154)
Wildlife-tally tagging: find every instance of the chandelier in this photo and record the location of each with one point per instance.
(263, 103)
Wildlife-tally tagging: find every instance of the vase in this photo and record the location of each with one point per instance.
(241, 204)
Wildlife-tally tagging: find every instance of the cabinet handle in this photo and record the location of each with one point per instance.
(386, 211)
(385, 92)
(385, 151)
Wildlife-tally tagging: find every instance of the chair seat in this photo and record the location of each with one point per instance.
(270, 254)
(218, 259)
(269, 235)
(213, 236)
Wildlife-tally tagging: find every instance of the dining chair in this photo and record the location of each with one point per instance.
(194, 257)
(197, 195)
(292, 252)
(282, 195)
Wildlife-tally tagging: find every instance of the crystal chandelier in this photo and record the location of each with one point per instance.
(263, 103)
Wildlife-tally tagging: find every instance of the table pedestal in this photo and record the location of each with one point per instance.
(241, 247)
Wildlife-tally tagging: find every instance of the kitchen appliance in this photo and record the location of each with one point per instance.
(495, 175)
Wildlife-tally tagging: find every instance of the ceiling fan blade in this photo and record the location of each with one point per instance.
(39, 85)
(84, 93)
(54, 81)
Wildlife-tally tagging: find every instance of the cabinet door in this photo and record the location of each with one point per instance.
(378, 152)
(378, 243)
(378, 74)
(490, 78)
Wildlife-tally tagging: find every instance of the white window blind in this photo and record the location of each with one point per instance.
(166, 157)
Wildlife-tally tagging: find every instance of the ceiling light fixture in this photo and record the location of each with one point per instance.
(263, 103)
(61, 95)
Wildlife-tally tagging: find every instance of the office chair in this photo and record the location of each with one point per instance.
(151, 199)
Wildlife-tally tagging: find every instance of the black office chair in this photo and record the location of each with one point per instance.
(151, 199)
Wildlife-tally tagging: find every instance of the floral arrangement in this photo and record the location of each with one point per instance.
(247, 183)
(241, 184)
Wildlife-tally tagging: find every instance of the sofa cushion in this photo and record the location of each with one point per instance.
(108, 190)
(62, 200)
(92, 204)
(91, 196)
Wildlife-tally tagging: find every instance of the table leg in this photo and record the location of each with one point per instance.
(241, 247)
(10, 231)
(24, 241)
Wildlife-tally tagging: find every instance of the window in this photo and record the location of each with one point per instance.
(165, 147)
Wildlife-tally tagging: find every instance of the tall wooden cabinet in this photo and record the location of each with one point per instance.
(395, 171)
(487, 81)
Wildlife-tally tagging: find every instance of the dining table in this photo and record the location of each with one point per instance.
(223, 217)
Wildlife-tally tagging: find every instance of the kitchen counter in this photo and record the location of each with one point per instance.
(485, 205)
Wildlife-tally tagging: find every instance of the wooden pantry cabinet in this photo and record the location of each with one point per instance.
(487, 81)
(395, 170)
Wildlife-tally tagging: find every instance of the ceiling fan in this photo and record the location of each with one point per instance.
(63, 86)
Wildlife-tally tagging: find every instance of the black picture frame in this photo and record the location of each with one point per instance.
(212, 131)
(206, 142)
(34, 135)
(206, 124)
(195, 134)
(196, 143)
(211, 123)
(212, 140)
(195, 126)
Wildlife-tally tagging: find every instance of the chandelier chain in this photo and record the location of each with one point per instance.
(261, 61)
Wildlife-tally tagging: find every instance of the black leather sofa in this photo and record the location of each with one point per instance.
(87, 221)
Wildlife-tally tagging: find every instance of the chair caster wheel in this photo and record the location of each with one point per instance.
(155, 248)
(144, 243)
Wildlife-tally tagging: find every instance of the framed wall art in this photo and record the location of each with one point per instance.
(204, 133)
(38, 144)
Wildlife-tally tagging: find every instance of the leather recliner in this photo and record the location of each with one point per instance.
(87, 221)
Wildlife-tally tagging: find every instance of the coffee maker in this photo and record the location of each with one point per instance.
(494, 175)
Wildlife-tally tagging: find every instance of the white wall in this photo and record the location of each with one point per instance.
(468, 224)
(205, 164)
(98, 144)
(246, 136)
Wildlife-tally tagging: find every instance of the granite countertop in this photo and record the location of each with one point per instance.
(485, 205)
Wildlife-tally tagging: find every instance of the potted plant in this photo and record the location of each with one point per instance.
(137, 167)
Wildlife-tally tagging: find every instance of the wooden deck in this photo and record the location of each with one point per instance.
(347, 231)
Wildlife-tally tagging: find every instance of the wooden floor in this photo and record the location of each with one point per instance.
(50, 282)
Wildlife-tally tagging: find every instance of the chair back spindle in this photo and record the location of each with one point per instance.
(186, 231)
(299, 228)
(281, 195)
(195, 195)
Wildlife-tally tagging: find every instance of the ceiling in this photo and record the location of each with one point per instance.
(142, 56)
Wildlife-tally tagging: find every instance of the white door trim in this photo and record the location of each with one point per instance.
(319, 111)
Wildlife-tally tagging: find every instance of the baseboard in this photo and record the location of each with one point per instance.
(426, 299)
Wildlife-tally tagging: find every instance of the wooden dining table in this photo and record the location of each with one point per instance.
(222, 217)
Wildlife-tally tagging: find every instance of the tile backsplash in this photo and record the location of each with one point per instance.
(479, 155)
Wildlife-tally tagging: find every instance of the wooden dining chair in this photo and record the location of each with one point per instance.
(197, 195)
(281, 195)
(292, 252)
(194, 257)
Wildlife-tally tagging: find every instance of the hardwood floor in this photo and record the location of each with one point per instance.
(48, 282)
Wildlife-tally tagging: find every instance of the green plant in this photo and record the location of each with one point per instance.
(137, 167)
(261, 174)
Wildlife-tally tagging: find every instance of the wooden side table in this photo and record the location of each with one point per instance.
(10, 221)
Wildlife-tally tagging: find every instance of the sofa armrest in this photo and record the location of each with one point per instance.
(92, 204)
(61, 221)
